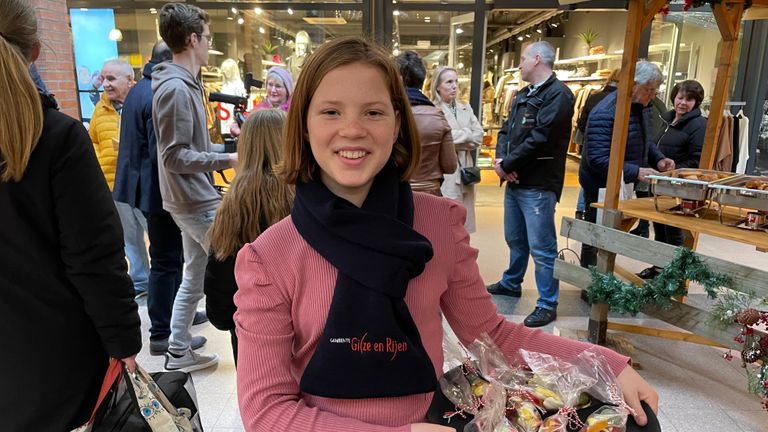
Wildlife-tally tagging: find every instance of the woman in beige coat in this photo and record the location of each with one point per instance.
(467, 136)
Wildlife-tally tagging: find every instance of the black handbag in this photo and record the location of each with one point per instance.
(469, 175)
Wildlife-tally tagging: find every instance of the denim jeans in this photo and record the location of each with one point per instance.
(166, 256)
(193, 230)
(529, 229)
(134, 226)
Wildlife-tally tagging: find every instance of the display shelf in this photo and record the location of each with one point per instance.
(584, 79)
(588, 58)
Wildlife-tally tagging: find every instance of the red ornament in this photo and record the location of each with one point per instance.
(728, 356)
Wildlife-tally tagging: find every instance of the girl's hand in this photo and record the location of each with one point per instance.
(427, 427)
(130, 363)
(636, 389)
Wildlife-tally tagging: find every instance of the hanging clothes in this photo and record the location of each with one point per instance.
(724, 158)
(743, 152)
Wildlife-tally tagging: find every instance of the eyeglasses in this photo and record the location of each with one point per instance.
(208, 37)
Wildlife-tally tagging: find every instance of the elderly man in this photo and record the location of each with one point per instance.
(105, 132)
(642, 157)
(530, 157)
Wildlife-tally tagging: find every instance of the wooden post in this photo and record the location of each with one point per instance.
(640, 14)
(728, 16)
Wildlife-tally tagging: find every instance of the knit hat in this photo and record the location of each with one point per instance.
(285, 77)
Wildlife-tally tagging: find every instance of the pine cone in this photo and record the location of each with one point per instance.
(751, 355)
(748, 317)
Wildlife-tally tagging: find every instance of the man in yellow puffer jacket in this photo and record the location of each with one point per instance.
(105, 132)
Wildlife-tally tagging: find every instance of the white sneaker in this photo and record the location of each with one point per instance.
(190, 361)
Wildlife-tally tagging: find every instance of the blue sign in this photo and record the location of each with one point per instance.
(92, 47)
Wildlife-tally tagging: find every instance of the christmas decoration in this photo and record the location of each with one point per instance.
(699, 3)
(627, 298)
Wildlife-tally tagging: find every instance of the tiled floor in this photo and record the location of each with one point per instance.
(699, 390)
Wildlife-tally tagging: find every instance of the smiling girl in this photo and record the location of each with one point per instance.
(339, 305)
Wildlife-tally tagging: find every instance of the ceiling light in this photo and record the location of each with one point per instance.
(396, 12)
(230, 18)
(460, 66)
(555, 24)
(520, 37)
(427, 19)
(261, 30)
(115, 35)
(234, 10)
(240, 20)
(538, 30)
(84, 9)
(258, 11)
(152, 10)
(325, 20)
(459, 30)
(528, 35)
(290, 11)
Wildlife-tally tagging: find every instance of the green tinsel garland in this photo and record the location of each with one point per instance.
(626, 298)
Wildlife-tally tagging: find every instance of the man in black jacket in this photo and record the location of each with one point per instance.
(530, 157)
(136, 184)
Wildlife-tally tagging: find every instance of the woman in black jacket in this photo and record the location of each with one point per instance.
(256, 199)
(67, 300)
(681, 140)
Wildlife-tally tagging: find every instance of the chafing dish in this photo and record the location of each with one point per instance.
(690, 187)
(746, 192)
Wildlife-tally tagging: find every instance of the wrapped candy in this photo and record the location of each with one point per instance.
(461, 382)
(564, 382)
(525, 415)
(491, 418)
(608, 418)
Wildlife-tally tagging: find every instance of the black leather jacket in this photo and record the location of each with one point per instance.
(534, 139)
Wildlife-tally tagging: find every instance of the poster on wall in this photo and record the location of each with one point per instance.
(93, 35)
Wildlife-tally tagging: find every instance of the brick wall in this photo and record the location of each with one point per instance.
(56, 62)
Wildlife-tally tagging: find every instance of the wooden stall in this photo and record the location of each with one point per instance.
(728, 14)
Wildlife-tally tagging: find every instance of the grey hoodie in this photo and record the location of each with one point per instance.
(183, 145)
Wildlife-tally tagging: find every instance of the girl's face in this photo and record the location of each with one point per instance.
(352, 129)
(683, 104)
(276, 92)
(449, 86)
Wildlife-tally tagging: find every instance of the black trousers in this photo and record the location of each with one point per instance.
(166, 256)
(662, 233)
(589, 253)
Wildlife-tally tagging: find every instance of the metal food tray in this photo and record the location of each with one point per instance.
(733, 192)
(671, 184)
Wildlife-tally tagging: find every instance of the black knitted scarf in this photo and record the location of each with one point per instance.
(370, 346)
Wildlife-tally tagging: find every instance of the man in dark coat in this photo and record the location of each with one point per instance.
(136, 184)
(530, 157)
(641, 154)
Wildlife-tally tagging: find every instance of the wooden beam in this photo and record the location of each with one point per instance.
(745, 279)
(666, 334)
(651, 9)
(729, 23)
(624, 101)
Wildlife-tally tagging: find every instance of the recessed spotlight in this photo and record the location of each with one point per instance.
(396, 12)
(290, 11)
(459, 30)
(240, 20)
(234, 10)
(261, 30)
(538, 30)
(258, 11)
(520, 38)
(230, 18)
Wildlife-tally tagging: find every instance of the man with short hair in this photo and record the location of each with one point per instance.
(136, 184)
(530, 157)
(104, 131)
(438, 155)
(187, 160)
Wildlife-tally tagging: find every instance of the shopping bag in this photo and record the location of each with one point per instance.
(142, 402)
(108, 389)
(626, 192)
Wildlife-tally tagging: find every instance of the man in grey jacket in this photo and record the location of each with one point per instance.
(186, 161)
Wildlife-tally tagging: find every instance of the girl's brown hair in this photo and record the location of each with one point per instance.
(257, 197)
(20, 127)
(299, 164)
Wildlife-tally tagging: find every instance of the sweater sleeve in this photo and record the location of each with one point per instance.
(470, 136)
(470, 312)
(268, 394)
(92, 245)
(175, 127)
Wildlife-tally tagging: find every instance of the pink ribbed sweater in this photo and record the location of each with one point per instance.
(285, 291)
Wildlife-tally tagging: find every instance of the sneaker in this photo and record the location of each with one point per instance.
(200, 317)
(649, 273)
(540, 317)
(579, 215)
(190, 361)
(499, 289)
(160, 346)
(140, 294)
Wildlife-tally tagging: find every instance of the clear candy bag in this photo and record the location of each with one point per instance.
(608, 418)
(492, 417)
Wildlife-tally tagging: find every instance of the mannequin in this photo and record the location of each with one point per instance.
(232, 85)
(300, 52)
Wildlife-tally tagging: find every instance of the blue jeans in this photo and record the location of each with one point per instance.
(529, 229)
(193, 230)
(134, 226)
(166, 256)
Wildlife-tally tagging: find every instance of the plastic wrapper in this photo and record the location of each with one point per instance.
(491, 417)
(461, 383)
(559, 384)
(494, 366)
(606, 389)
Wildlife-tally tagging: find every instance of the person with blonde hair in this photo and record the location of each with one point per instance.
(340, 306)
(67, 298)
(256, 199)
(467, 134)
